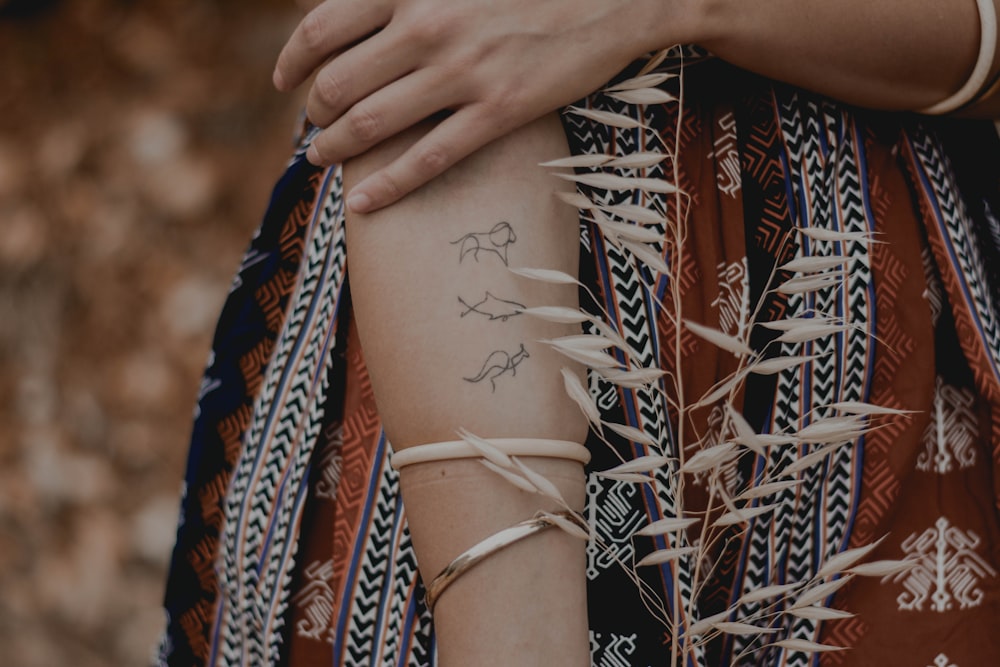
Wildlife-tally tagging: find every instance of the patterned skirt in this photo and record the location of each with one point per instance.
(293, 545)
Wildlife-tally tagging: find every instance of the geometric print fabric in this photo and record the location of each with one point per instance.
(325, 571)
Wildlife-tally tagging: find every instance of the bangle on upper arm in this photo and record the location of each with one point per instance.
(491, 545)
(459, 449)
(463, 449)
(978, 79)
(988, 90)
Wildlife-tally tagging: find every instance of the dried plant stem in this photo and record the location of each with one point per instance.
(676, 654)
(644, 230)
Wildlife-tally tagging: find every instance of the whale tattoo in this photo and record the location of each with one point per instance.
(493, 307)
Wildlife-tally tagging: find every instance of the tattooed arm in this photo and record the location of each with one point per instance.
(439, 319)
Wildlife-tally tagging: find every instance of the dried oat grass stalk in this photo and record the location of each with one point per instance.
(644, 225)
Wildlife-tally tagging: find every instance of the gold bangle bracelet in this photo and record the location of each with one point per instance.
(491, 545)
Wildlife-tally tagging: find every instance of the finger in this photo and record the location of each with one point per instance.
(456, 137)
(383, 114)
(328, 28)
(354, 75)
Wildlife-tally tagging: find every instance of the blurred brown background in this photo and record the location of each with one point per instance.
(138, 145)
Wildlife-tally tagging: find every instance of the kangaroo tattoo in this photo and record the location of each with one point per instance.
(497, 364)
(495, 241)
(493, 307)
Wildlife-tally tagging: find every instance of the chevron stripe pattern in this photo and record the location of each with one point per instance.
(755, 161)
(631, 295)
(266, 494)
(954, 238)
(822, 153)
(245, 336)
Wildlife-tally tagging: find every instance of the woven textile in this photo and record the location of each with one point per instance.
(293, 545)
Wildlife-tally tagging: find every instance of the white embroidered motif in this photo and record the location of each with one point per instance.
(733, 301)
(330, 465)
(713, 436)
(947, 569)
(727, 157)
(612, 510)
(316, 598)
(933, 290)
(950, 437)
(942, 661)
(612, 650)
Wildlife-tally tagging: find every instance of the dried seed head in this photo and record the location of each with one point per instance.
(546, 276)
(606, 117)
(577, 161)
(664, 526)
(644, 81)
(579, 394)
(666, 555)
(805, 646)
(638, 160)
(719, 339)
(643, 96)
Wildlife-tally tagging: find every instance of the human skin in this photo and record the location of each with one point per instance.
(410, 264)
(385, 65)
(382, 68)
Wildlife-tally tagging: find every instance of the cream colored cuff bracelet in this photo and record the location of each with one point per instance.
(491, 545)
(459, 449)
(984, 63)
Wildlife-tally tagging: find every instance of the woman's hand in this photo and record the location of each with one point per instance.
(384, 65)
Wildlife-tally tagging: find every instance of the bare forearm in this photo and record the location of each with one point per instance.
(495, 65)
(447, 346)
(889, 54)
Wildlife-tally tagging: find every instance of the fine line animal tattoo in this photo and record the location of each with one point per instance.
(495, 241)
(497, 364)
(493, 307)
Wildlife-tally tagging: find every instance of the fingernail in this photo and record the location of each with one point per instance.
(278, 80)
(359, 202)
(312, 155)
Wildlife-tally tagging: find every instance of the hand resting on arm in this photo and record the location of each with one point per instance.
(385, 65)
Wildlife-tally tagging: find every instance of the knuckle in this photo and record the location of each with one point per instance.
(390, 188)
(425, 28)
(330, 89)
(456, 70)
(503, 104)
(364, 125)
(433, 159)
(315, 30)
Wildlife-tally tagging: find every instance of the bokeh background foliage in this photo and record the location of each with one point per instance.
(138, 145)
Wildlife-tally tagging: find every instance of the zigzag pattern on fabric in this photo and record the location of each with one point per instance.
(244, 338)
(956, 244)
(380, 617)
(266, 495)
(383, 594)
(783, 546)
(953, 239)
(631, 294)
